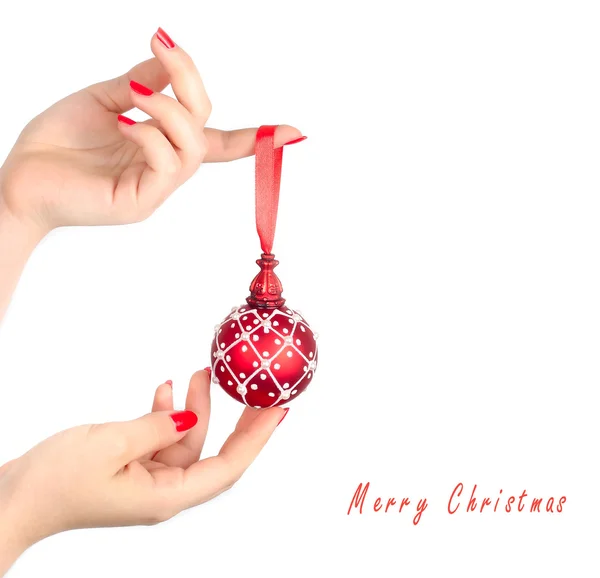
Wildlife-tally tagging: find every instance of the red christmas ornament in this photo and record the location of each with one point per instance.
(264, 353)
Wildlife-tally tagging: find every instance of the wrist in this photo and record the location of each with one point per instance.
(18, 239)
(16, 213)
(23, 234)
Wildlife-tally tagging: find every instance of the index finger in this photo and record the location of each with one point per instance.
(212, 476)
(185, 79)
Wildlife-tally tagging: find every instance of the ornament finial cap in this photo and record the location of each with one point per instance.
(266, 288)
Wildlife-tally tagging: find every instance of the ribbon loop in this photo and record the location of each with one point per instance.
(268, 181)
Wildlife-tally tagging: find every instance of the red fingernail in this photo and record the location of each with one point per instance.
(285, 412)
(208, 370)
(165, 38)
(296, 140)
(184, 420)
(169, 382)
(140, 88)
(125, 120)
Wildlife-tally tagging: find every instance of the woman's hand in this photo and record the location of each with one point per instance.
(117, 474)
(77, 164)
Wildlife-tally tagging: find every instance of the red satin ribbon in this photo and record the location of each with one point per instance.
(268, 180)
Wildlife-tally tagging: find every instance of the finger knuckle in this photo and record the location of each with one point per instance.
(154, 518)
(142, 216)
(183, 62)
(172, 166)
(161, 511)
(197, 152)
(144, 212)
(117, 444)
(120, 445)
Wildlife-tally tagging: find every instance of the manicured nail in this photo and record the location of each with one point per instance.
(169, 382)
(184, 420)
(125, 120)
(140, 88)
(165, 38)
(208, 370)
(285, 412)
(296, 140)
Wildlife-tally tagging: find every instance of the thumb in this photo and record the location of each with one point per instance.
(150, 433)
(115, 94)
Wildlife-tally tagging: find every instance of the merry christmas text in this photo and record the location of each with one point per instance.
(461, 500)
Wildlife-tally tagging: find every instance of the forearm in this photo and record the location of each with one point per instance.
(9, 551)
(18, 239)
(12, 543)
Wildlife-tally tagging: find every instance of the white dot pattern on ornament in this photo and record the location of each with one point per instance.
(294, 318)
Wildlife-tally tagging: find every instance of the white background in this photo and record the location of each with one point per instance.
(439, 229)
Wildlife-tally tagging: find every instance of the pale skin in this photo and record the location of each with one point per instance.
(77, 164)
